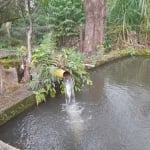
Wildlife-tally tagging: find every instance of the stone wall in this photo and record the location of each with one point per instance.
(6, 53)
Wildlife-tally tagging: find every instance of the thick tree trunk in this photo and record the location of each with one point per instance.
(94, 27)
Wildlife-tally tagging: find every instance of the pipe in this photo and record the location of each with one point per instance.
(62, 73)
(66, 74)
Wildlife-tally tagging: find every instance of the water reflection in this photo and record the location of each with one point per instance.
(113, 114)
(130, 71)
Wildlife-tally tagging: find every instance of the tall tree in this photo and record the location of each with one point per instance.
(30, 5)
(94, 25)
(93, 32)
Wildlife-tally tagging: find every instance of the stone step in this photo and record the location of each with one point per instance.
(5, 146)
(6, 53)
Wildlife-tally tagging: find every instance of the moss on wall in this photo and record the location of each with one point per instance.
(17, 109)
(119, 54)
(9, 62)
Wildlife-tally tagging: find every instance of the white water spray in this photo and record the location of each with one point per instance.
(73, 109)
(69, 91)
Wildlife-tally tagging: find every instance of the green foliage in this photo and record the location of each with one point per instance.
(74, 63)
(21, 52)
(40, 95)
(65, 16)
(129, 12)
(45, 62)
(10, 10)
(9, 43)
(133, 52)
(128, 15)
(127, 52)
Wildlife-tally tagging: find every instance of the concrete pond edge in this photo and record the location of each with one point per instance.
(23, 103)
(27, 100)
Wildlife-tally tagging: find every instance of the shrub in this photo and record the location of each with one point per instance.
(45, 62)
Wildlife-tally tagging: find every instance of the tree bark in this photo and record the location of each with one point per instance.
(29, 47)
(94, 26)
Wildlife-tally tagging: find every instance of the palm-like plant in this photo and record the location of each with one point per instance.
(129, 15)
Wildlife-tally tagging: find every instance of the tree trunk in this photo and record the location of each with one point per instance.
(94, 27)
(29, 37)
(29, 47)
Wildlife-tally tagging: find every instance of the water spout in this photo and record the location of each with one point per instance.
(68, 84)
(69, 89)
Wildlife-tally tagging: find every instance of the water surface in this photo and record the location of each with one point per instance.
(113, 114)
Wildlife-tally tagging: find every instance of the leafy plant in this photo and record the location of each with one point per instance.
(65, 16)
(45, 62)
(76, 67)
(127, 16)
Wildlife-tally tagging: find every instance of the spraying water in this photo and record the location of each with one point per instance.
(71, 107)
(69, 90)
(73, 119)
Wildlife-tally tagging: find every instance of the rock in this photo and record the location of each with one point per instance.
(8, 79)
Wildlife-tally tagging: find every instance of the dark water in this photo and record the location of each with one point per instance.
(113, 114)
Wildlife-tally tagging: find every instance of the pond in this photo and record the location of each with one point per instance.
(113, 114)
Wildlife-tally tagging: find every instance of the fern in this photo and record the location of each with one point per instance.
(47, 60)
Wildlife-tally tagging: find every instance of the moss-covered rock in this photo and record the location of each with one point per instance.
(17, 108)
